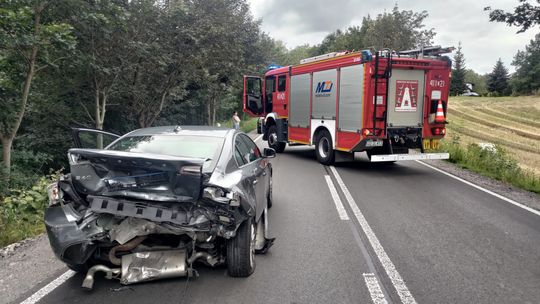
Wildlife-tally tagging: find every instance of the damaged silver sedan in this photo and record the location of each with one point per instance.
(157, 200)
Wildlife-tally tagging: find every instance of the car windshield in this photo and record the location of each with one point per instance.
(208, 147)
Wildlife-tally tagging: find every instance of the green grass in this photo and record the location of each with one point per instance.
(246, 125)
(495, 163)
(21, 212)
(505, 121)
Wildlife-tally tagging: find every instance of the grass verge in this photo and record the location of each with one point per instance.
(246, 125)
(21, 212)
(491, 162)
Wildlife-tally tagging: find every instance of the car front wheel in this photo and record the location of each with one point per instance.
(241, 250)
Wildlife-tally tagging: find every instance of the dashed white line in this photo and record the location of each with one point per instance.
(49, 287)
(337, 201)
(377, 296)
(397, 281)
(482, 189)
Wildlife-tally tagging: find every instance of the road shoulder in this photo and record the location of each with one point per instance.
(526, 198)
(26, 265)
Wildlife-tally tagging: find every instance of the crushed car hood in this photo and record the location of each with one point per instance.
(143, 176)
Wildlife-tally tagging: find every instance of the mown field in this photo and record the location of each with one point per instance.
(511, 122)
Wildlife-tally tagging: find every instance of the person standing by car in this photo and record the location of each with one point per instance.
(236, 121)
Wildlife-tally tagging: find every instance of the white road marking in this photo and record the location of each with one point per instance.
(396, 279)
(377, 296)
(482, 189)
(337, 201)
(258, 137)
(49, 287)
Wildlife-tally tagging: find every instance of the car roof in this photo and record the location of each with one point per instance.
(182, 130)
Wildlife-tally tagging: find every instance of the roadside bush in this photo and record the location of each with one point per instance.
(495, 163)
(26, 169)
(246, 125)
(21, 212)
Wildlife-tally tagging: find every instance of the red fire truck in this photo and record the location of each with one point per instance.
(390, 104)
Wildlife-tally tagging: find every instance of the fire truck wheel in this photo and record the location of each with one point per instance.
(272, 140)
(324, 148)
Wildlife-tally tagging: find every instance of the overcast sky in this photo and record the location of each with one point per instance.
(298, 22)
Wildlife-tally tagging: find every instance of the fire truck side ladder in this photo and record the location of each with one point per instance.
(381, 78)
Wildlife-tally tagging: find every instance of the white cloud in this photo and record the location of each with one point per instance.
(298, 22)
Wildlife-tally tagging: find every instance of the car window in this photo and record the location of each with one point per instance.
(207, 147)
(254, 152)
(238, 156)
(282, 83)
(243, 150)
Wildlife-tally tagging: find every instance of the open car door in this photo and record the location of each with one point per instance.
(92, 138)
(253, 96)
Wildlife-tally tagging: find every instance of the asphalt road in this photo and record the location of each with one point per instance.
(406, 234)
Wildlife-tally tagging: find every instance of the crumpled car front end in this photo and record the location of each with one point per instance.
(140, 217)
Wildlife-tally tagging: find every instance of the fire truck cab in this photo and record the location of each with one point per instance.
(390, 104)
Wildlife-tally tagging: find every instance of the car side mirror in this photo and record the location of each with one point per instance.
(269, 153)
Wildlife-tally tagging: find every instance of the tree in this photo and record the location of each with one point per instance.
(478, 81)
(398, 30)
(457, 84)
(524, 15)
(163, 52)
(350, 39)
(526, 79)
(103, 51)
(32, 40)
(498, 79)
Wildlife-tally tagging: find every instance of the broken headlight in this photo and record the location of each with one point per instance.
(221, 196)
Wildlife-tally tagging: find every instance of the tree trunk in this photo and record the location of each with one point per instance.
(214, 111)
(101, 103)
(7, 140)
(209, 113)
(6, 152)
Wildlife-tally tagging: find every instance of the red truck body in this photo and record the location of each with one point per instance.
(384, 104)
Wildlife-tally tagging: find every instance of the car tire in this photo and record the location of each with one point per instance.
(270, 196)
(273, 142)
(241, 250)
(324, 148)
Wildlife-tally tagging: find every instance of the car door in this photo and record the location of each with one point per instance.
(247, 159)
(259, 169)
(92, 138)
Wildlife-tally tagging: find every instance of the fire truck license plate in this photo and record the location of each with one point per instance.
(374, 143)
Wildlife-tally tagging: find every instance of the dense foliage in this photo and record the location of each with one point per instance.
(526, 79)
(525, 15)
(116, 65)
